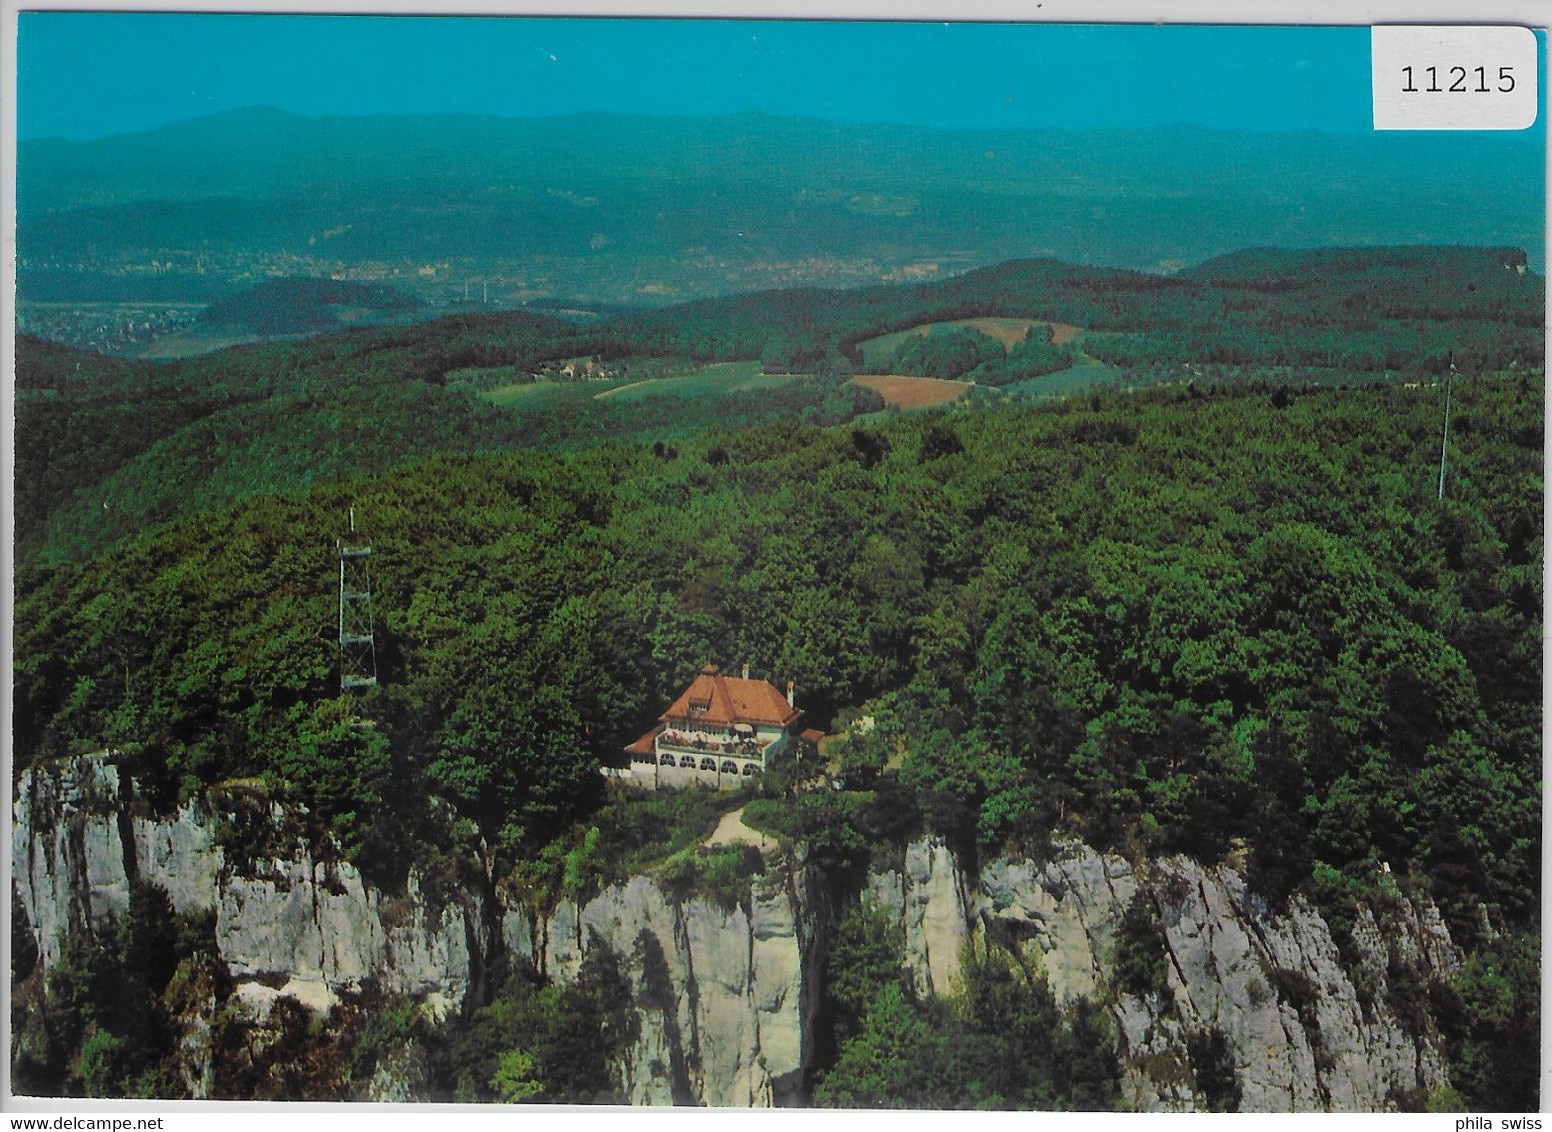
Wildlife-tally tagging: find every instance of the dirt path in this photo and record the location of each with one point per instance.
(620, 389)
(731, 830)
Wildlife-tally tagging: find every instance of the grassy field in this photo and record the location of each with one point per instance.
(877, 352)
(719, 377)
(1009, 331)
(531, 394)
(1089, 373)
(913, 392)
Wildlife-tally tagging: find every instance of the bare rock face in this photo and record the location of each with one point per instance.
(310, 929)
(1067, 907)
(725, 997)
(288, 926)
(179, 856)
(67, 850)
(929, 901)
(1271, 985)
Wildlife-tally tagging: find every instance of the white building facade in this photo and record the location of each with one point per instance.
(721, 732)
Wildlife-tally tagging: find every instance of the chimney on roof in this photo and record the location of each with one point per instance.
(789, 694)
(746, 670)
(708, 670)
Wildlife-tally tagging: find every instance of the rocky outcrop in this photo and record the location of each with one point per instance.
(309, 929)
(285, 926)
(726, 997)
(929, 900)
(68, 850)
(1300, 1035)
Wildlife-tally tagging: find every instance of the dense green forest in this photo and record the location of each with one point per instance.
(1009, 580)
(1198, 618)
(1159, 622)
(1469, 301)
(105, 449)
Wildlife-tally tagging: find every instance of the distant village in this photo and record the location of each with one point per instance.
(580, 369)
(110, 328)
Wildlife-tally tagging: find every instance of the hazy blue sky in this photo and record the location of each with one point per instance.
(84, 75)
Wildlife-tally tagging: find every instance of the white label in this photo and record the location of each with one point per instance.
(1454, 78)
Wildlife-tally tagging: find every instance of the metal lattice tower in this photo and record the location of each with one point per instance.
(357, 653)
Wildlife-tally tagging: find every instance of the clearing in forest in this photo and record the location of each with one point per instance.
(1009, 332)
(529, 394)
(913, 392)
(719, 377)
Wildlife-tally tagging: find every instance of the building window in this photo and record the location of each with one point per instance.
(750, 768)
(667, 760)
(688, 762)
(708, 764)
(729, 766)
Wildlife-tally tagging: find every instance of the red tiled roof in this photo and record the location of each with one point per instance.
(643, 746)
(811, 735)
(721, 701)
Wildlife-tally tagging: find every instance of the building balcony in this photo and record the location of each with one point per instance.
(737, 748)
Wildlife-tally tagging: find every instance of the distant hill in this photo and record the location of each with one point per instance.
(106, 448)
(305, 306)
(634, 209)
(1287, 268)
(1368, 309)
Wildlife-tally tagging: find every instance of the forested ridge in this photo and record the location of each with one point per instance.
(100, 444)
(1386, 309)
(1206, 618)
(696, 206)
(304, 306)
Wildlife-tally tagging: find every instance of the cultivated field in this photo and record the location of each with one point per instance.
(877, 352)
(1089, 373)
(1009, 331)
(517, 390)
(913, 392)
(719, 377)
(529, 394)
(194, 344)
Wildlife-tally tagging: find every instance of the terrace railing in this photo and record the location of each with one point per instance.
(738, 749)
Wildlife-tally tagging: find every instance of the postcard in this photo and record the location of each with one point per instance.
(871, 563)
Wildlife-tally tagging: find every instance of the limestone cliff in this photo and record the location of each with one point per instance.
(285, 924)
(727, 997)
(1300, 1035)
